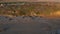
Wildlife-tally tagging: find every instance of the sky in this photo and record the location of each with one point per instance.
(31, 0)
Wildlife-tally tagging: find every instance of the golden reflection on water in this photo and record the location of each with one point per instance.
(57, 13)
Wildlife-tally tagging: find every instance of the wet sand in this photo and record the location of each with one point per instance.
(28, 25)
